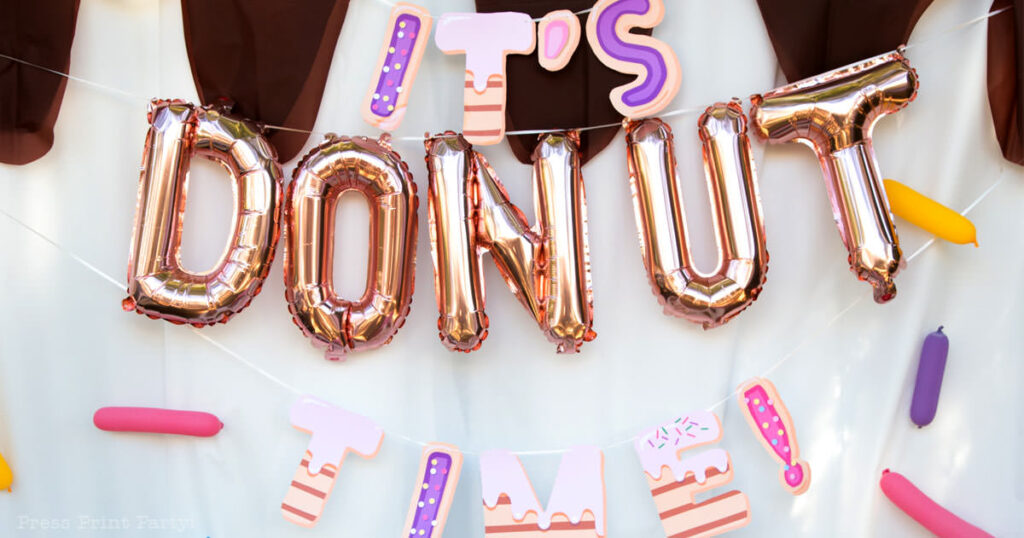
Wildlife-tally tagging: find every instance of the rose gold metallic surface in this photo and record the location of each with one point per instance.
(157, 284)
(834, 114)
(458, 276)
(373, 169)
(547, 266)
(710, 299)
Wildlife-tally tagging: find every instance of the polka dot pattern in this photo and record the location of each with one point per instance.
(389, 85)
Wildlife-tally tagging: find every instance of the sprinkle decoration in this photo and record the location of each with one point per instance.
(434, 480)
(398, 53)
(400, 57)
(763, 408)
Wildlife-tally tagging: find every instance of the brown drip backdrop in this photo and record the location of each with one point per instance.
(41, 33)
(814, 36)
(269, 57)
(1006, 77)
(575, 96)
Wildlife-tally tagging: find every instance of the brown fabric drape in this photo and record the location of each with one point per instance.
(576, 96)
(269, 57)
(1006, 77)
(814, 36)
(41, 33)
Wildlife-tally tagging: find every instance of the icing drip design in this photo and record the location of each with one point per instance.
(579, 487)
(675, 494)
(661, 446)
(485, 39)
(334, 431)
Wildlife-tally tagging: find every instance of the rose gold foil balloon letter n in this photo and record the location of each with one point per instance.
(547, 266)
(157, 284)
(834, 114)
(715, 298)
(325, 173)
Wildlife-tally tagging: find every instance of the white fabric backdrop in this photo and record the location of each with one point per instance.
(66, 347)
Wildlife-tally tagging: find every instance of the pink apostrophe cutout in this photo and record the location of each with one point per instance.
(559, 35)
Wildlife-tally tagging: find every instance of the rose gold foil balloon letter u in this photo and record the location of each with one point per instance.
(715, 298)
(157, 284)
(325, 173)
(834, 114)
(547, 266)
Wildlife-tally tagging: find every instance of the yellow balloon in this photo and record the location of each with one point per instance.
(929, 215)
(6, 477)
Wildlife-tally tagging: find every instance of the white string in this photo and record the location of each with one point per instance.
(964, 213)
(399, 436)
(842, 312)
(538, 19)
(120, 286)
(73, 256)
(958, 27)
(96, 85)
(676, 112)
(139, 99)
(245, 361)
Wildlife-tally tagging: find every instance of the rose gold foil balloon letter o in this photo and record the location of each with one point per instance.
(834, 114)
(547, 267)
(715, 298)
(157, 284)
(325, 173)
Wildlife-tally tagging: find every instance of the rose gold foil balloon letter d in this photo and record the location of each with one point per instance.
(834, 114)
(715, 298)
(547, 266)
(157, 284)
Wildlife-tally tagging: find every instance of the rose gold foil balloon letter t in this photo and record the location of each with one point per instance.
(157, 284)
(834, 114)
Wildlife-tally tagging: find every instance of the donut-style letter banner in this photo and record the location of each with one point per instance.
(485, 39)
(652, 61)
(157, 284)
(558, 35)
(771, 423)
(675, 481)
(400, 56)
(334, 433)
(547, 267)
(574, 510)
(440, 466)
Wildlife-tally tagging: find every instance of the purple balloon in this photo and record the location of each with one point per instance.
(929, 378)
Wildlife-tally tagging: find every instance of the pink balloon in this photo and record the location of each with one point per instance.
(156, 420)
(925, 511)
